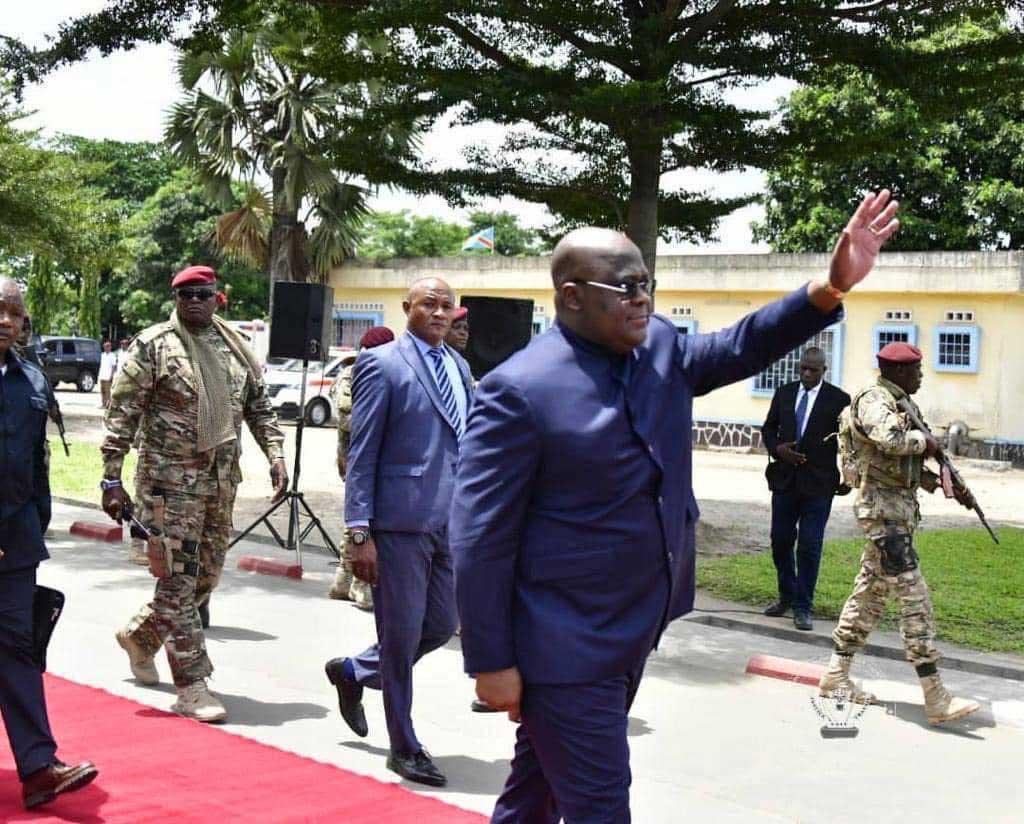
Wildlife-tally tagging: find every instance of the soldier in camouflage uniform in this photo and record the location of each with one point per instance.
(346, 586)
(883, 458)
(184, 388)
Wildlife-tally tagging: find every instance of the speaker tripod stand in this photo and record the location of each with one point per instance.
(293, 498)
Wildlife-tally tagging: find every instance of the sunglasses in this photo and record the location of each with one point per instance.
(195, 294)
(626, 289)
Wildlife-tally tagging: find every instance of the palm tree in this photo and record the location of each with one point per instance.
(253, 112)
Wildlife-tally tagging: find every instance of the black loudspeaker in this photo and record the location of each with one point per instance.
(498, 328)
(300, 325)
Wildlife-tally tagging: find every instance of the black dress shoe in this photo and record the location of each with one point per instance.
(204, 613)
(418, 768)
(46, 784)
(802, 620)
(482, 706)
(776, 609)
(350, 697)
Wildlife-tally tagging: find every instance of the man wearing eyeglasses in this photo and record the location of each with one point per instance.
(184, 389)
(573, 518)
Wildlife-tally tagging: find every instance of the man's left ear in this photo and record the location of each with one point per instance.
(571, 297)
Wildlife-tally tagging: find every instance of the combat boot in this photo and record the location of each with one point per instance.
(341, 589)
(361, 594)
(196, 701)
(141, 662)
(940, 706)
(837, 677)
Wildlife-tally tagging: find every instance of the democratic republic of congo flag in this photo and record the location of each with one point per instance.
(484, 239)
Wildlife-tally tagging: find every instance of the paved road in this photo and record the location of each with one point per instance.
(709, 742)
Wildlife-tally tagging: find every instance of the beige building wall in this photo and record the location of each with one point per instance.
(714, 291)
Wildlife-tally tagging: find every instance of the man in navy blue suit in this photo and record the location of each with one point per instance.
(573, 517)
(24, 516)
(410, 400)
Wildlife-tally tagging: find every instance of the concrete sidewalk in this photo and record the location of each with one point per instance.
(709, 743)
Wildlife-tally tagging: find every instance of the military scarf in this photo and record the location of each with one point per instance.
(215, 424)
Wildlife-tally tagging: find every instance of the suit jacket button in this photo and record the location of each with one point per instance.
(671, 557)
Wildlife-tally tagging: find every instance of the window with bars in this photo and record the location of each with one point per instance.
(787, 368)
(956, 348)
(884, 334)
(685, 326)
(349, 327)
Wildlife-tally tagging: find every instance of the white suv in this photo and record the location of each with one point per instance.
(284, 385)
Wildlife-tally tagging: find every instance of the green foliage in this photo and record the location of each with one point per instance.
(601, 99)
(975, 584)
(404, 235)
(45, 201)
(253, 108)
(956, 171)
(125, 172)
(172, 230)
(510, 238)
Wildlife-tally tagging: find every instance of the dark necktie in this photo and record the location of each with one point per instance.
(801, 414)
(447, 393)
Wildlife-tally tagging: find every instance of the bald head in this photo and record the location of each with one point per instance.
(428, 284)
(429, 308)
(12, 314)
(583, 251)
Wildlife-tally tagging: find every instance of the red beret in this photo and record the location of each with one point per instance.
(460, 313)
(900, 352)
(194, 274)
(376, 336)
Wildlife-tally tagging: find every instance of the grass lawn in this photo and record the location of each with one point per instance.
(977, 587)
(78, 476)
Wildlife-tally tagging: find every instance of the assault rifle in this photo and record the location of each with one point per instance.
(946, 464)
(58, 418)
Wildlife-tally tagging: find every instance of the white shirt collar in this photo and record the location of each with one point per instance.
(425, 347)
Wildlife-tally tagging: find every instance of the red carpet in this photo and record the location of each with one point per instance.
(156, 767)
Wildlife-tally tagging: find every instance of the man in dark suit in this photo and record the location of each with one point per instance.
(803, 477)
(573, 518)
(410, 400)
(24, 516)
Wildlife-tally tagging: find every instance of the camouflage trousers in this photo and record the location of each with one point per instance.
(873, 588)
(171, 619)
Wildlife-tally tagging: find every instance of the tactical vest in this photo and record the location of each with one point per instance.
(862, 463)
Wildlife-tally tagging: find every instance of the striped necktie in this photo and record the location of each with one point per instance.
(801, 414)
(447, 393)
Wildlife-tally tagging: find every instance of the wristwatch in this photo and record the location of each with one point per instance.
(110, 483)
(359, 536)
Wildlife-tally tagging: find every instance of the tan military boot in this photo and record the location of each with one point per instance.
(141, 662)
(837, 677)
(940, 706)
(341, 589)
(361, 594)
(196, 701)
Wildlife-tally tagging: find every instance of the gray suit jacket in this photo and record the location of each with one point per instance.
(404, 449)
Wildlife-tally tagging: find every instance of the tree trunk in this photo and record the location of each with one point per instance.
(645, 177)
(288, 260)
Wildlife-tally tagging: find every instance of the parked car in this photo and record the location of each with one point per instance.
(284, 386)
(71, 360)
